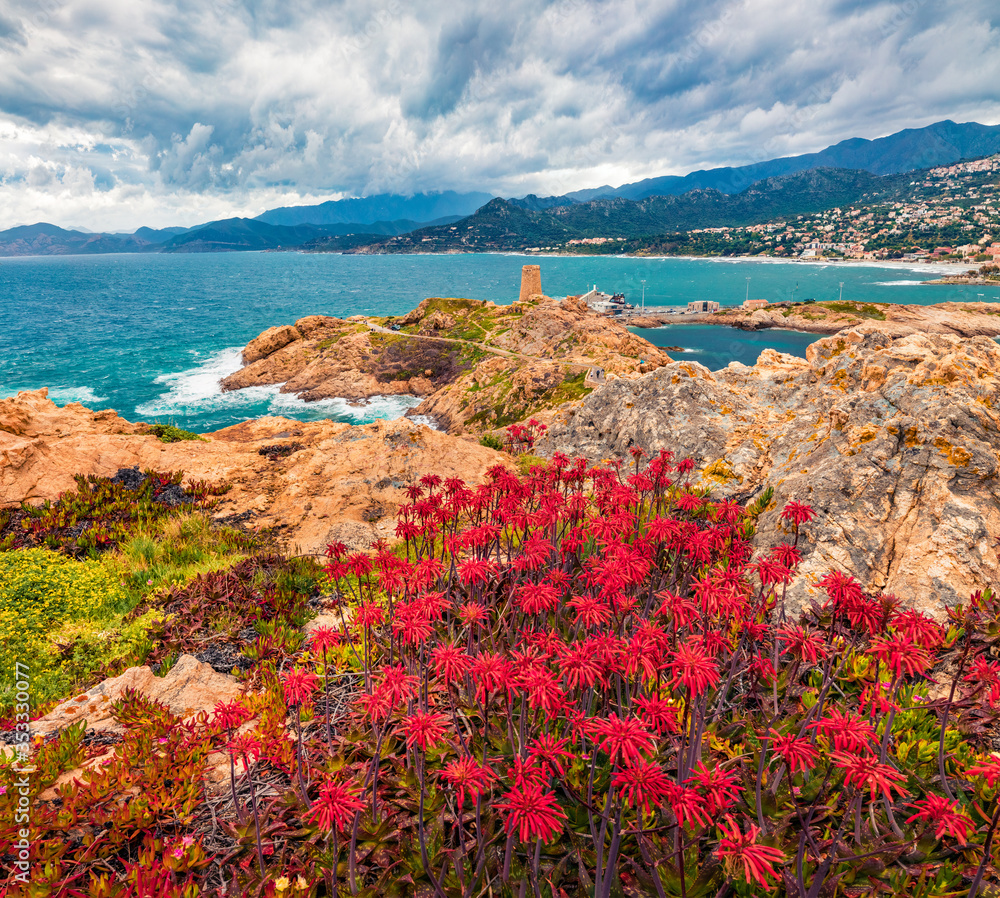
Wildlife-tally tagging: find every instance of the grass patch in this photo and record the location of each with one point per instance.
(862, 310)
(491, 441)
(167, 433)
(572, 388)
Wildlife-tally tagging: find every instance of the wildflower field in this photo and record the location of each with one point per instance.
(575, 682)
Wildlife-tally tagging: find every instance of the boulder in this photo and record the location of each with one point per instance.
(273, 339)
(188, 687)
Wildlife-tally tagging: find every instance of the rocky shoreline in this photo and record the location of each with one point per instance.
(963, 319)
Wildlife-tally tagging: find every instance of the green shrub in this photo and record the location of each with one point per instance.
(167, 433)
(491, 441)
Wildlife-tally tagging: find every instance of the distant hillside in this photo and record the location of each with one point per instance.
(45, 239)
(243, 234)
(540, 203)
(915, 148)
(502, 225)
(421, 207)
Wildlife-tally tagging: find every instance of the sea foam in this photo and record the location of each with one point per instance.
(198, 390)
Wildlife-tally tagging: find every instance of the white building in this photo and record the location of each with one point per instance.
(703, 305)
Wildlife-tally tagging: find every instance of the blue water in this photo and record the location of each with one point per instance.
(715, 347)
(151, 336)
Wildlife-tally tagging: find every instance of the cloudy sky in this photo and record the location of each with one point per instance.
(117, 113)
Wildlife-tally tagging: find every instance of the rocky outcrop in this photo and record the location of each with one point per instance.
(188, 687)
(892, 441)
(269, 342)
(477, 365)
(325, 483)
(964, 319)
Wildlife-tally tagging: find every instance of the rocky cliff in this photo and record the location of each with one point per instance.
(893, 441)
(314, 483)
(478, 366)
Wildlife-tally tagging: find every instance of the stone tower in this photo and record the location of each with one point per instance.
(531, 282)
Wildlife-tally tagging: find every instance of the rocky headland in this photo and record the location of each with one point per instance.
(477, 366)
(893, 441)
(964, 319)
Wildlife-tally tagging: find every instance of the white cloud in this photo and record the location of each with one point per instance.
(116, 113)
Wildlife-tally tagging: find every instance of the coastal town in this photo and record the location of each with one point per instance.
(951, 214)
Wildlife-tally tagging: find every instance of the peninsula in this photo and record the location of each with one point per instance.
(963, 319)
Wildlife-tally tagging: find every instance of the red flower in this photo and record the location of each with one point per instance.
(735, 848)
(467, 777)
(687, 805)
(590, 611)
(803, 643)
(797, 514)
(489, 673)
(623, 739)
(548, 751)
(900, 654)
(920, 628)
(375, 706)
(450, 662)
(544, 690)
(720, 786)
(246, 746)
(325, 638)
(644, 784)
(397, 685)
(230, 715)
(535, 598)
(693, 669)
(337, 803)
(951, 820)
(659, 714)
(771, 570)
(368, 614)
(534, 813)
(990, 770)
(865, 771)
(299, 686)
(850, 733)
(473, 613)
(475, 570)
(424, 728)
(799, 755)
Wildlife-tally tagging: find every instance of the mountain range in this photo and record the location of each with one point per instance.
(840, 174)
(503, 225)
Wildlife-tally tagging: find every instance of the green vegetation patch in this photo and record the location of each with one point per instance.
(862, 310)
(40, 592)
(572, 388)
(102, 511)
(167, 433)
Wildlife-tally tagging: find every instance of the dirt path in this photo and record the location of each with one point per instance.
(510, 354)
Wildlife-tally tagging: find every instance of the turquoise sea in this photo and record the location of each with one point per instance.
(151, 336)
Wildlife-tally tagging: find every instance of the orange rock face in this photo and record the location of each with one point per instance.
(339, 483)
